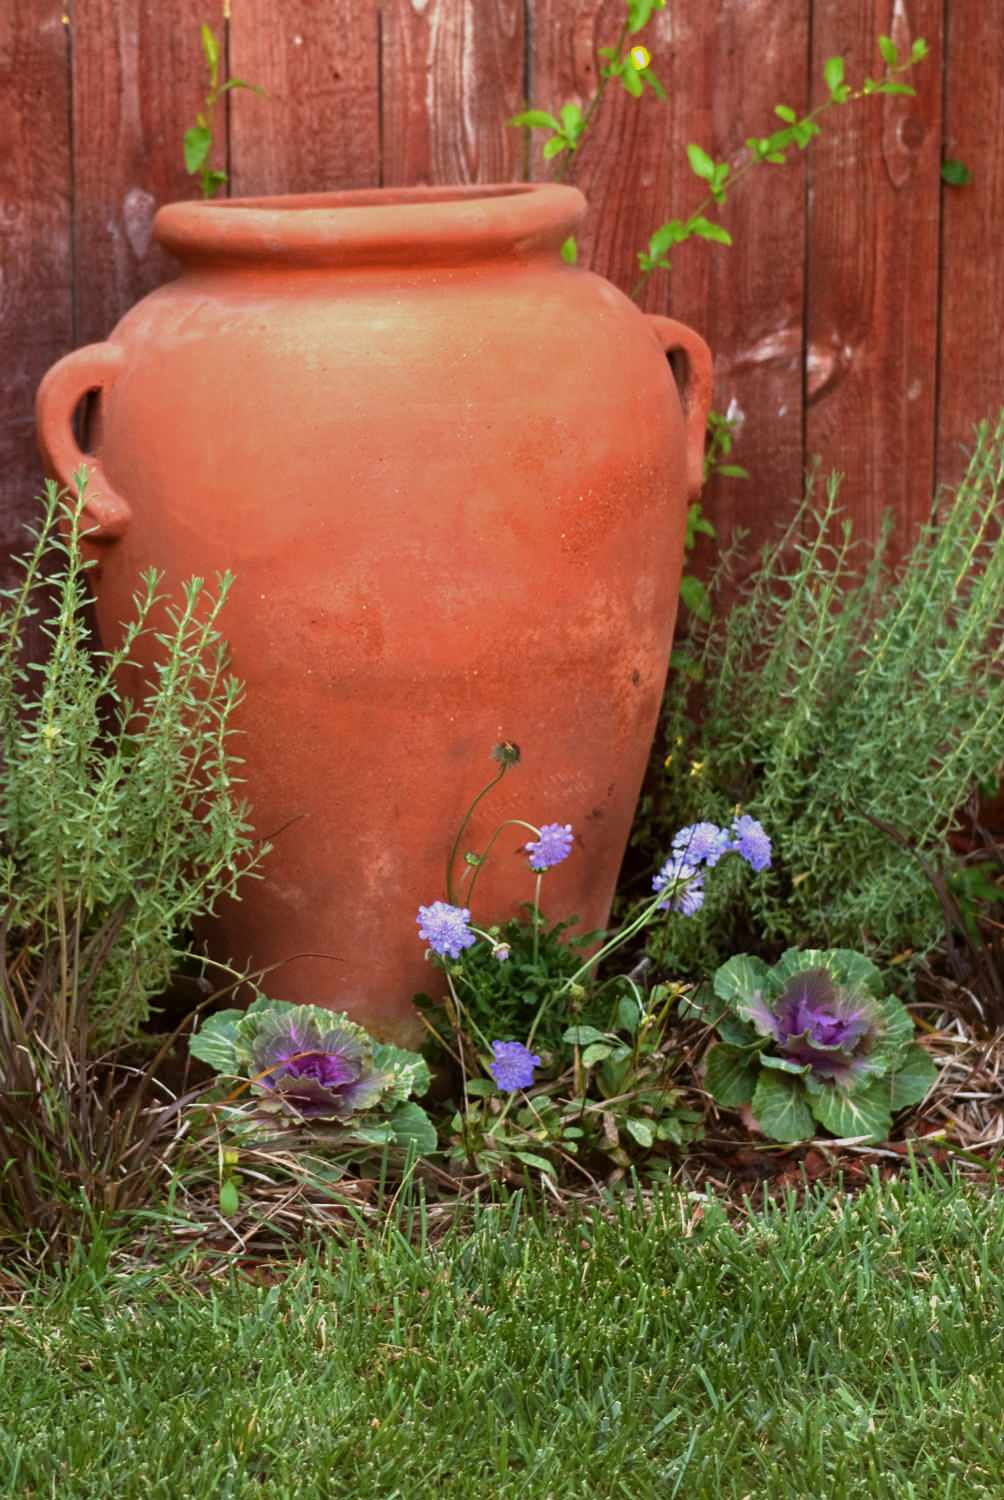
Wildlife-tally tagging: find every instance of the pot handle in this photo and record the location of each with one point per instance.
(696, 392)
(95, 367)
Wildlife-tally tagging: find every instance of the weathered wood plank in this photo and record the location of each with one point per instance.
(452, 75)
(724, 68)
(319, 128)
(36, 318)
(138, 82)
(972, 309)
(873, 266)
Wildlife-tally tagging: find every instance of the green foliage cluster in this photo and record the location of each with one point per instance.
(814, 1039)
(843, 701)
(198, 138)
(116, 818)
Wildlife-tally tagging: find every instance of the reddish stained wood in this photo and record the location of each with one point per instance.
(625, 162)
(970, 385)
(35, 280)
(873, 267)
(452, 75)
(138, 81)
(724, 68)
(319, 128)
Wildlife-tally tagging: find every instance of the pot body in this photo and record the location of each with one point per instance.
(450, 474)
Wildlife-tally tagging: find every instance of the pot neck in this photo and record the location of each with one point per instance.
(442, 226)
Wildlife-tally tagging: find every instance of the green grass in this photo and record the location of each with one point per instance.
(843, 1348)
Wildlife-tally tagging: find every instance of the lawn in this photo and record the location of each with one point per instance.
(846, 1346)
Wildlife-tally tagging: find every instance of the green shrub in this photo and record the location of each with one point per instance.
(116, 818)
(839, 695)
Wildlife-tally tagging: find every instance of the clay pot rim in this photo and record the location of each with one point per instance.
(396, 226)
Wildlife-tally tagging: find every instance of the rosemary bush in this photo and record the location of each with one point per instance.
(115, 818)
(852, 707)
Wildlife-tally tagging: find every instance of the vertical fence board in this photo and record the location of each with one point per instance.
(36, 316)
(624, 164)
(723, 68)
(732, 67)
(972, 308)
(138, 82)
(319, 128)
(452, 74)
(873, 267)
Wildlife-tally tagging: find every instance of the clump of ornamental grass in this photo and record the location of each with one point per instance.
(844, 701)
(85, 1138)
(116, 818)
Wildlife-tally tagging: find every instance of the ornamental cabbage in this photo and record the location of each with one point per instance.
(814, 1039)
(303, 1063)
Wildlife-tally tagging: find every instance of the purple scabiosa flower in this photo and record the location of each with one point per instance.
(444, 928)
(686, 887)
(501, 951)
(750, 842)
(553, 845)
(701, 844)
(513, 1066)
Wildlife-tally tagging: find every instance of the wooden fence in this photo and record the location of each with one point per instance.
(858, 315)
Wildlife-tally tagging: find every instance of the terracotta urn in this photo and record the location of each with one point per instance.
(450, 473)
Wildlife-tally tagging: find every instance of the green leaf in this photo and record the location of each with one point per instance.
(239, 83)
(783, 1064)
(737, 1032)
(641, 1131)
(539, 1162)
(481, 1088)
(654, 84)
(673, 232)
(919, 50)
(707, 229)
(955, 173)
(700, 163)
(212, 182)
(536, 119)
(571, 119)
(682, 661)
(570, 251)
(229, 1198)
(640, 12)
(742, 978)
(408, 1071)
(211, 48)
(554, 147)
(215, 1042)
(695, 597)
(865, 1113)
(732, 471)
(779, 1108)
(730, 1075)
(198, 143)
(833, 73)
(413, 1128)
(914, 1075)
(633, 81)
(629, 1013)
(786, 113)
(888, 86)
(595, 1053)
(581, 1036)
(889, 51)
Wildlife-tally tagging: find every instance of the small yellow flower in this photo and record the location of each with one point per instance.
(668, 761)
(696, 767)
(641, 57)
